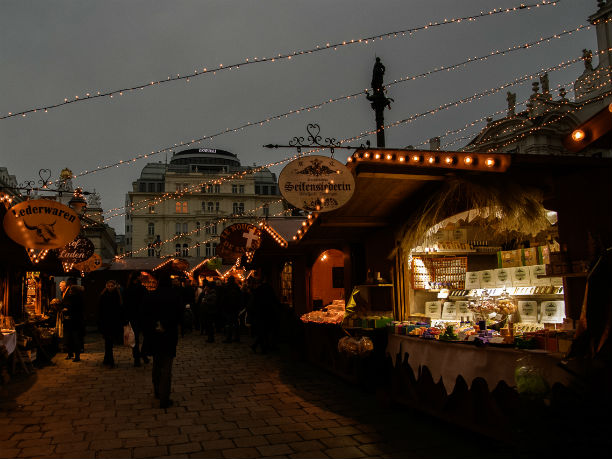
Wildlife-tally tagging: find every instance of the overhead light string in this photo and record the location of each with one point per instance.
(287, 56)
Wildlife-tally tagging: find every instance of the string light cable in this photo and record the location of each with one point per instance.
(528, 77)
(361, 93)
(287, 56)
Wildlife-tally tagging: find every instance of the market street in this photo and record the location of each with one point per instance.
(229, 403)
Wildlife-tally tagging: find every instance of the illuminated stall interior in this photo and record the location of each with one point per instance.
(328, 278)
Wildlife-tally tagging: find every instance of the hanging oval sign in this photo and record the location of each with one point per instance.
(91, 264)
(41, 224)
(316, 183)
(240, 238)
(77, 251)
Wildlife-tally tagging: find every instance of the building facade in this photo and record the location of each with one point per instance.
(181, 208)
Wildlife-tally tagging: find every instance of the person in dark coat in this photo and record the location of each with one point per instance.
(208, 306)
(231, 304)
(111, 319)
(165, 309)
(264, 307)
(134, 297)
(74, 319)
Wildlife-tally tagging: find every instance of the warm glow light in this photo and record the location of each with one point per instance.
(324, 257)
(377, 156)
(578, 135)
(389, 156)
(402, 159)
(448, 160)
(366, 155)
(416, 158)
(468, 160)
(490, 162)
(431, 160)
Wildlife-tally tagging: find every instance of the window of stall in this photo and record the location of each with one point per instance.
(328, 278)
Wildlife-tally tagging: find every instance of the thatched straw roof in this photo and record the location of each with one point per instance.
(511, 207)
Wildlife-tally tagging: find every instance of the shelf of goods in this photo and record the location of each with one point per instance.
(447, 272)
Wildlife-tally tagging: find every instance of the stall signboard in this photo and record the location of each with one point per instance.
(487, 278)
(463, 311)
(316, 183)
(239, 239)
(76, 251)
(537, 275)
(433, 309)
(41, 224)
(472, 280)
(528, 311)
(449, 311)
(502, 277)
(91, 264)
(520, 276)
(552, 312)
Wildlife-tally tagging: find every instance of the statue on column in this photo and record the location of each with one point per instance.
(379, 101)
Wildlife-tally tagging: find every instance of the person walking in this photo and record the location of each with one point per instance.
(265, 305)
(165, 309)
(134, 299)
(111, 319)
(208, 311)
(231, 305)
(74, 319)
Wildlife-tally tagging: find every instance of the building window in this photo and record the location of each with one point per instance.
(185, 228)
(266, 210)
(210, 206)
(151, 209)
(178, 207)
(213, 228)
(241, 189)
(198, 228)
(151, 229)
(181, 207)
(177, 250)
(272, 189)
(217, 206)
(142, 186)
(257, 189)
(207, 249)
(238, 208)
(217, 189)
(185, 250)
(198, 249)
(207, 230)
(150, 250)
(160, 187)
(234, 189)
(185, 209)
(177, 228)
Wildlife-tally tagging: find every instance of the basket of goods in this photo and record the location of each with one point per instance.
(360, 347)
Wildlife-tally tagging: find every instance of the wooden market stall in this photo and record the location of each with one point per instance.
(401, 199)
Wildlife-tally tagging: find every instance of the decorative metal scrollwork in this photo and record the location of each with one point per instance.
(314, 138)
(45, 175)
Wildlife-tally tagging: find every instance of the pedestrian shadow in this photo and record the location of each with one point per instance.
(18, 384)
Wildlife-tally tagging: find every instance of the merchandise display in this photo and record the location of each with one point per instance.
(330, 314)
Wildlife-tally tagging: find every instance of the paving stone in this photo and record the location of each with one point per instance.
(309, 454)
(285, 437)
(114, 453)
(336, 442)
(240, 453)
(192, 447)
(348, 452)
(257, 440)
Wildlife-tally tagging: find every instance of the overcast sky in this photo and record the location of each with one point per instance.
(54, 49)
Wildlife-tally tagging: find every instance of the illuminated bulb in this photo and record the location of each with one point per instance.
(490, 162)
(468, 160)
(402, 159)
(377, 156)
(431, 160)
(349, 159)
(416, 158)
(578, 135)
(389, 157)
(448, 160)
(366, 155)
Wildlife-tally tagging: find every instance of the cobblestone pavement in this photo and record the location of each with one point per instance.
(229, 402)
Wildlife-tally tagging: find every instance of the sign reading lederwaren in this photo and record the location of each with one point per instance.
(316, 183)
(41, 224)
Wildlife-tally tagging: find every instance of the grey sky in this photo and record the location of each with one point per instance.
(56, 49)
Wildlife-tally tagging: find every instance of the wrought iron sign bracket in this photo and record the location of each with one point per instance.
(315, 139)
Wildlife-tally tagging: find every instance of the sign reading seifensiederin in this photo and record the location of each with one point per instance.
(316, 183)
(41, 224)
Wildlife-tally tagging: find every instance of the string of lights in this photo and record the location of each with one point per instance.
(261, 122)
(472, 98)
(199, 243)
(287, 56)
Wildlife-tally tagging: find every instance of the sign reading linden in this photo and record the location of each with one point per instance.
(316, 183)
(41, 224)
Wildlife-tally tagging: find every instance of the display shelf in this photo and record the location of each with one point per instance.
(546, 276)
